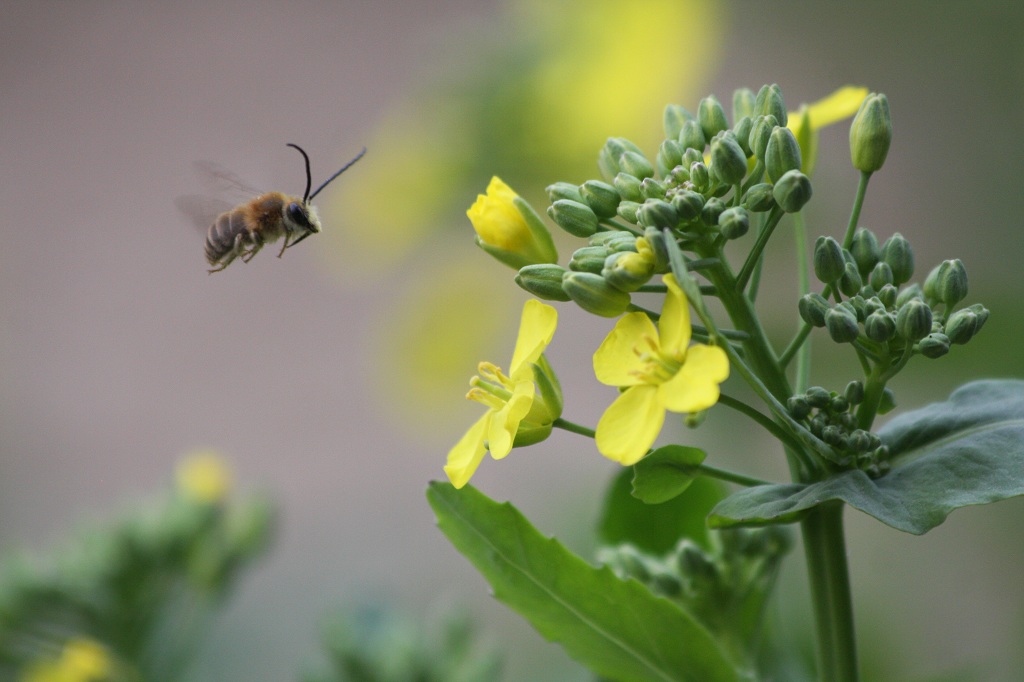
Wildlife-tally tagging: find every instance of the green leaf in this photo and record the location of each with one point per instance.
(965, 451)
(666, 472)
(656, 528)
(616, 628)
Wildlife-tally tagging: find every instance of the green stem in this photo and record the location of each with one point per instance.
(803, 358)
(572, 427)
(825, 551)
(729, 476)
(758, 417)
(858, 203)
(755, 253)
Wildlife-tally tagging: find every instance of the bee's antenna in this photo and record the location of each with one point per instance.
(343, 169)
(309, 177)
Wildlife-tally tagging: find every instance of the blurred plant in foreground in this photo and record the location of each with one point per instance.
(675, 600)
(132, 601)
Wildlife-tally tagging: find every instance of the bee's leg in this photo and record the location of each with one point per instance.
(255, 244)
(223, 264)
(285, 245)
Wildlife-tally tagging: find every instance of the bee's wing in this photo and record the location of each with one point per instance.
(219, 180)
(202, 210)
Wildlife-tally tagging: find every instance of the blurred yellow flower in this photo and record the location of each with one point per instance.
(203, 477)
(515, 415)
(658, 371)
(81, 660)
(508, 229)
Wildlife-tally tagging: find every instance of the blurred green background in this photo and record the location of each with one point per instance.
(333, 378)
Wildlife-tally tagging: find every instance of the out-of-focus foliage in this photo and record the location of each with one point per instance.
(376, 644)
(132, 600)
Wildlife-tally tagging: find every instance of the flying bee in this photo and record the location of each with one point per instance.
(242, 231)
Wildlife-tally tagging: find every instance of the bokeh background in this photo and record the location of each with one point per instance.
(333, 378)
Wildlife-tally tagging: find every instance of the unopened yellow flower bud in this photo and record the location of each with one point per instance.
(509, 229)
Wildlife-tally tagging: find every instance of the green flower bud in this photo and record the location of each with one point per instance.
(608, 157)
(713, 208)
(589, 259)
(769, 102)
(628, 271)
(859, 441)
(741, 130)
(850, 281)
(813, 309)
(656, 240)
(871, 134)
(712, 117)
(792, 191)
(688, 205)
(734, 222)
(674, 118)
(865, 251)
(657, 213)
(575, 218)
(818, 397)
(743, 101)
(897, 253)
(841, 325)
(699, 176)
(760, 133)
(879, 327)
(601, 197)
(670, 155)
(728, 162)
(627, 211)
(692, 136)
(963, 325)
(622, 241)
(636, 164)
(951, 284)
(604, 238)
(888, 402)
(914, 320)
(881, 275)
(838, 404)
(592, 293)
(798, 407)
(628, 187)
(887, 295)
(653, 189)
(543, 280)
(934, 345)
(782, 154)
(564, 190)
(829, 264)
(758, 198)
(690, 157)
(909, 293)
(833, 435)
(854, 392)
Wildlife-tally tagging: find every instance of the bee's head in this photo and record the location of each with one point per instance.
(300, 218)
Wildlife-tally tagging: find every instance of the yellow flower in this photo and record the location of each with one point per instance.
(515, 415)
(659, 371)
(509, 229)
(81, 660)
(805, 124)
(204, 477)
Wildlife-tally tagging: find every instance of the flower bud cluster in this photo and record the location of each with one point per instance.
(881, 313)
(830, 417)
(716, 584)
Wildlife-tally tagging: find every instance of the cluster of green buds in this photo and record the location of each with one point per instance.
(884, 315)
(623, 216)
(724, 585)
(831, 417)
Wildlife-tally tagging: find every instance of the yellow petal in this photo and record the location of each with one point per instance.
(695, 385)
(630, 425)
(616, 359)
(675, 319)
(841, 104)
(496, 219)
(465, 457)
(536, 327)
(505, 422)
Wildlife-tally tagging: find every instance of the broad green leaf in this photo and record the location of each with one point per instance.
(656, 528)
(965, 451)
(617, 628)
(665, 473)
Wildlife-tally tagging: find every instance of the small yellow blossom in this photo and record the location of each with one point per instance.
(805, 123)
(659, 371)
(203, 477)
(515, 415)
(509, 229)
(81, 660)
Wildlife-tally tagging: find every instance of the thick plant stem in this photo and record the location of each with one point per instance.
(825, 551)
